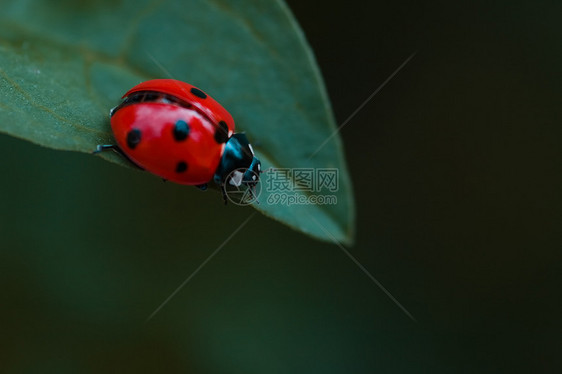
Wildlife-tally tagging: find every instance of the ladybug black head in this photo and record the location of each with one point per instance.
(238, 164)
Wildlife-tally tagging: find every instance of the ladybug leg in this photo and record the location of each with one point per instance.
(223, 190)
(112, 147)
(104, 147)
(202, 187)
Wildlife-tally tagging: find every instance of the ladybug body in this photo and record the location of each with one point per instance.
(176, 131)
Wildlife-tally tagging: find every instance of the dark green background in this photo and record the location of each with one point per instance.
(455, 165)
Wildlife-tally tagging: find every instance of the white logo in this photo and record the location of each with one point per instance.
(240, 191)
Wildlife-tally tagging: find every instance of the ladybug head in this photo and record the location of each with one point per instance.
(238, 165)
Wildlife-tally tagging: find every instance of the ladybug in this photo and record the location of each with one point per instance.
(178, 132)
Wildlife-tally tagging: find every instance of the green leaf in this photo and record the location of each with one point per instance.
(64, 64)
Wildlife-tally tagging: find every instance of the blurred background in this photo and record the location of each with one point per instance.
(455, 164)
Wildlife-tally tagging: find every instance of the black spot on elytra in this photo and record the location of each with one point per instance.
(197, 92)
(221, 132)
(181, 167)
(181, 130)
(133, 138)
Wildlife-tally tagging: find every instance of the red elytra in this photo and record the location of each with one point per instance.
(189, 94)
(172, 129)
